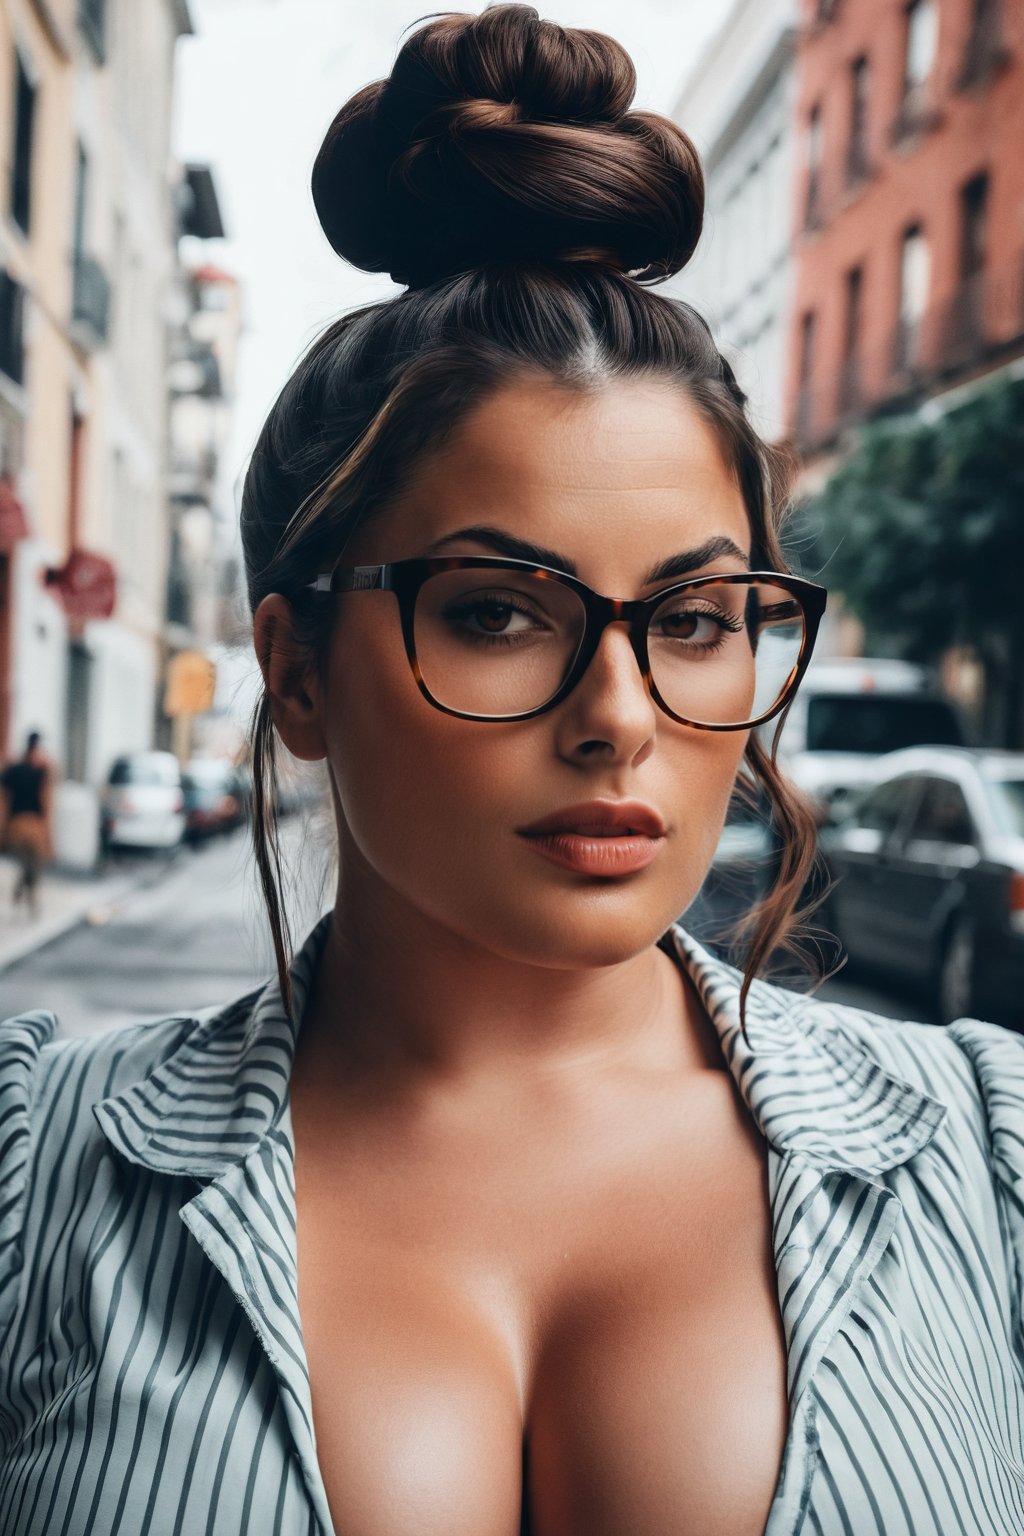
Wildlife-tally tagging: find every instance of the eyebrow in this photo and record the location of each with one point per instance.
(503, 543)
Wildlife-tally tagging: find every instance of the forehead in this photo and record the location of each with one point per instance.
(628, 471)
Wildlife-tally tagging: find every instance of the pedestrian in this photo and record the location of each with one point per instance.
(504, 1205)
(26, 818)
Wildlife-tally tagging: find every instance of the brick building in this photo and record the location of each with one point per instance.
(909, 239)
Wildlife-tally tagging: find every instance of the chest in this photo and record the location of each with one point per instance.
(563, 1346)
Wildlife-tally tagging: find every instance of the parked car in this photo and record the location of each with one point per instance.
(929, 879)
(741, 872)
(850, 711)
(142, 804)
(215, 797)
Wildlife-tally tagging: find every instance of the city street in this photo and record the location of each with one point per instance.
(196, 935)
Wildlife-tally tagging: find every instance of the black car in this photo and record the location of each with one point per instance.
(215, 797)
(929, 879)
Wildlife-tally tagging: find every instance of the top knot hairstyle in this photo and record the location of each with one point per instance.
(498, 174)
(504, 136)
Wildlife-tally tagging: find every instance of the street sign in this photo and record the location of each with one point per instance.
(191, 683)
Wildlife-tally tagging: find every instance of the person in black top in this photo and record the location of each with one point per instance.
(25, 818)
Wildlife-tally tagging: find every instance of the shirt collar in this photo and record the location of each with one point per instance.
(812, 1086)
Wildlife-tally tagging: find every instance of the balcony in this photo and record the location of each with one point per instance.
(90, 315)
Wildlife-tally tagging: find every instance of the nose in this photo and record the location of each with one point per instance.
(610, 712)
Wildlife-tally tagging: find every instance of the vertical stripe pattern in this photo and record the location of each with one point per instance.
(153, 1379)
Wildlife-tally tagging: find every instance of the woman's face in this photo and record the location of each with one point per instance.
(611, 482)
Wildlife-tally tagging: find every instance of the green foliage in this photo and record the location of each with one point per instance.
(922, 528)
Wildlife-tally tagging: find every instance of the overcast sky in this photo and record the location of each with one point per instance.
(256, 89)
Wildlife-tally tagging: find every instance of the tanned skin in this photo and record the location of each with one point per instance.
(532, 1207)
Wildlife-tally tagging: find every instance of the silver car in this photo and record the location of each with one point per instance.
(143, 803)
(929, 872)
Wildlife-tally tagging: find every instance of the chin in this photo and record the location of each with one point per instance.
(590, 932)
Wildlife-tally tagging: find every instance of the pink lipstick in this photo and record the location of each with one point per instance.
(603, 837)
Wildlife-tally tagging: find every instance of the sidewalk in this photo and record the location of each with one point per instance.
(65, 900)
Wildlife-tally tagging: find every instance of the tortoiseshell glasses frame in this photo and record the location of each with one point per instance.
(405, 578)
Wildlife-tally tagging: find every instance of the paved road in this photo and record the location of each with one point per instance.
(198, 936)
(194, 937)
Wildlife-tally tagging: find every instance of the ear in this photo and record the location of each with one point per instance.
(291, 678)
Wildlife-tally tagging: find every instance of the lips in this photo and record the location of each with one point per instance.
(600, 818)
(605, 839)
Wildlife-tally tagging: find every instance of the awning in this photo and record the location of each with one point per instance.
(13, 522)
(86, 585)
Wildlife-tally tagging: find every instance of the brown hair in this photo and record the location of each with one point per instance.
(499, 174)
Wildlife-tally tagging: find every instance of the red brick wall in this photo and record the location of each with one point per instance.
(977, 129)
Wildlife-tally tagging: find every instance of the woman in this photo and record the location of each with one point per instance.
(488, 1214)
(26, 817)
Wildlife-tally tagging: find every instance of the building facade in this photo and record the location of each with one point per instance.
(909, 235)
(205, 569)
(86, 144)
(738, 106)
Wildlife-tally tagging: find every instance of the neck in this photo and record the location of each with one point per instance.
(399, 999)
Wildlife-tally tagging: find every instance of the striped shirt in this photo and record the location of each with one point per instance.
(152, 1373)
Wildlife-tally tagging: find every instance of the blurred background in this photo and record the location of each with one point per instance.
(161, 272)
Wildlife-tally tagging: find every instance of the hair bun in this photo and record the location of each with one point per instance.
(501, 136)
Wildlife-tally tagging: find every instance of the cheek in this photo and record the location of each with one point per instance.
(414, 784)
(706, 764)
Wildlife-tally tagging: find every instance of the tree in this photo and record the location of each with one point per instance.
(922, 530)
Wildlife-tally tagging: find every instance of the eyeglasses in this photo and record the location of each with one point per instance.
(502, 640)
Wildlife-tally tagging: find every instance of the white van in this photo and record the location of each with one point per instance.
(849, 711)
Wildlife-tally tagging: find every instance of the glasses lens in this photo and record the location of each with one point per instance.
(495, 642)
(722, 654)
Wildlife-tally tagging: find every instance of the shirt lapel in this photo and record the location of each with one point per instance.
(216, 1112)
(837, 1124)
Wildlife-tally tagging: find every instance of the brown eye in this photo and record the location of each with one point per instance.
(493, 617)
(681, 625)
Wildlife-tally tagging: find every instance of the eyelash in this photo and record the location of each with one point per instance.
(473, 606)
(506, 600)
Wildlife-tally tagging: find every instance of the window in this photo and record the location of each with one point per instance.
(942, 816)
(915, 274)
(849, 379)
(964, 328)
(915, 279)
(922, 40)
(973, 227)
(12, 306)
(1006, 796)
(808, 326)
(857, 165)
(851, 333)
(21, 166)
(876, 723)
(81, 186)
(812, 215)
(985, 52)
(883, 809)
(148, 768)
